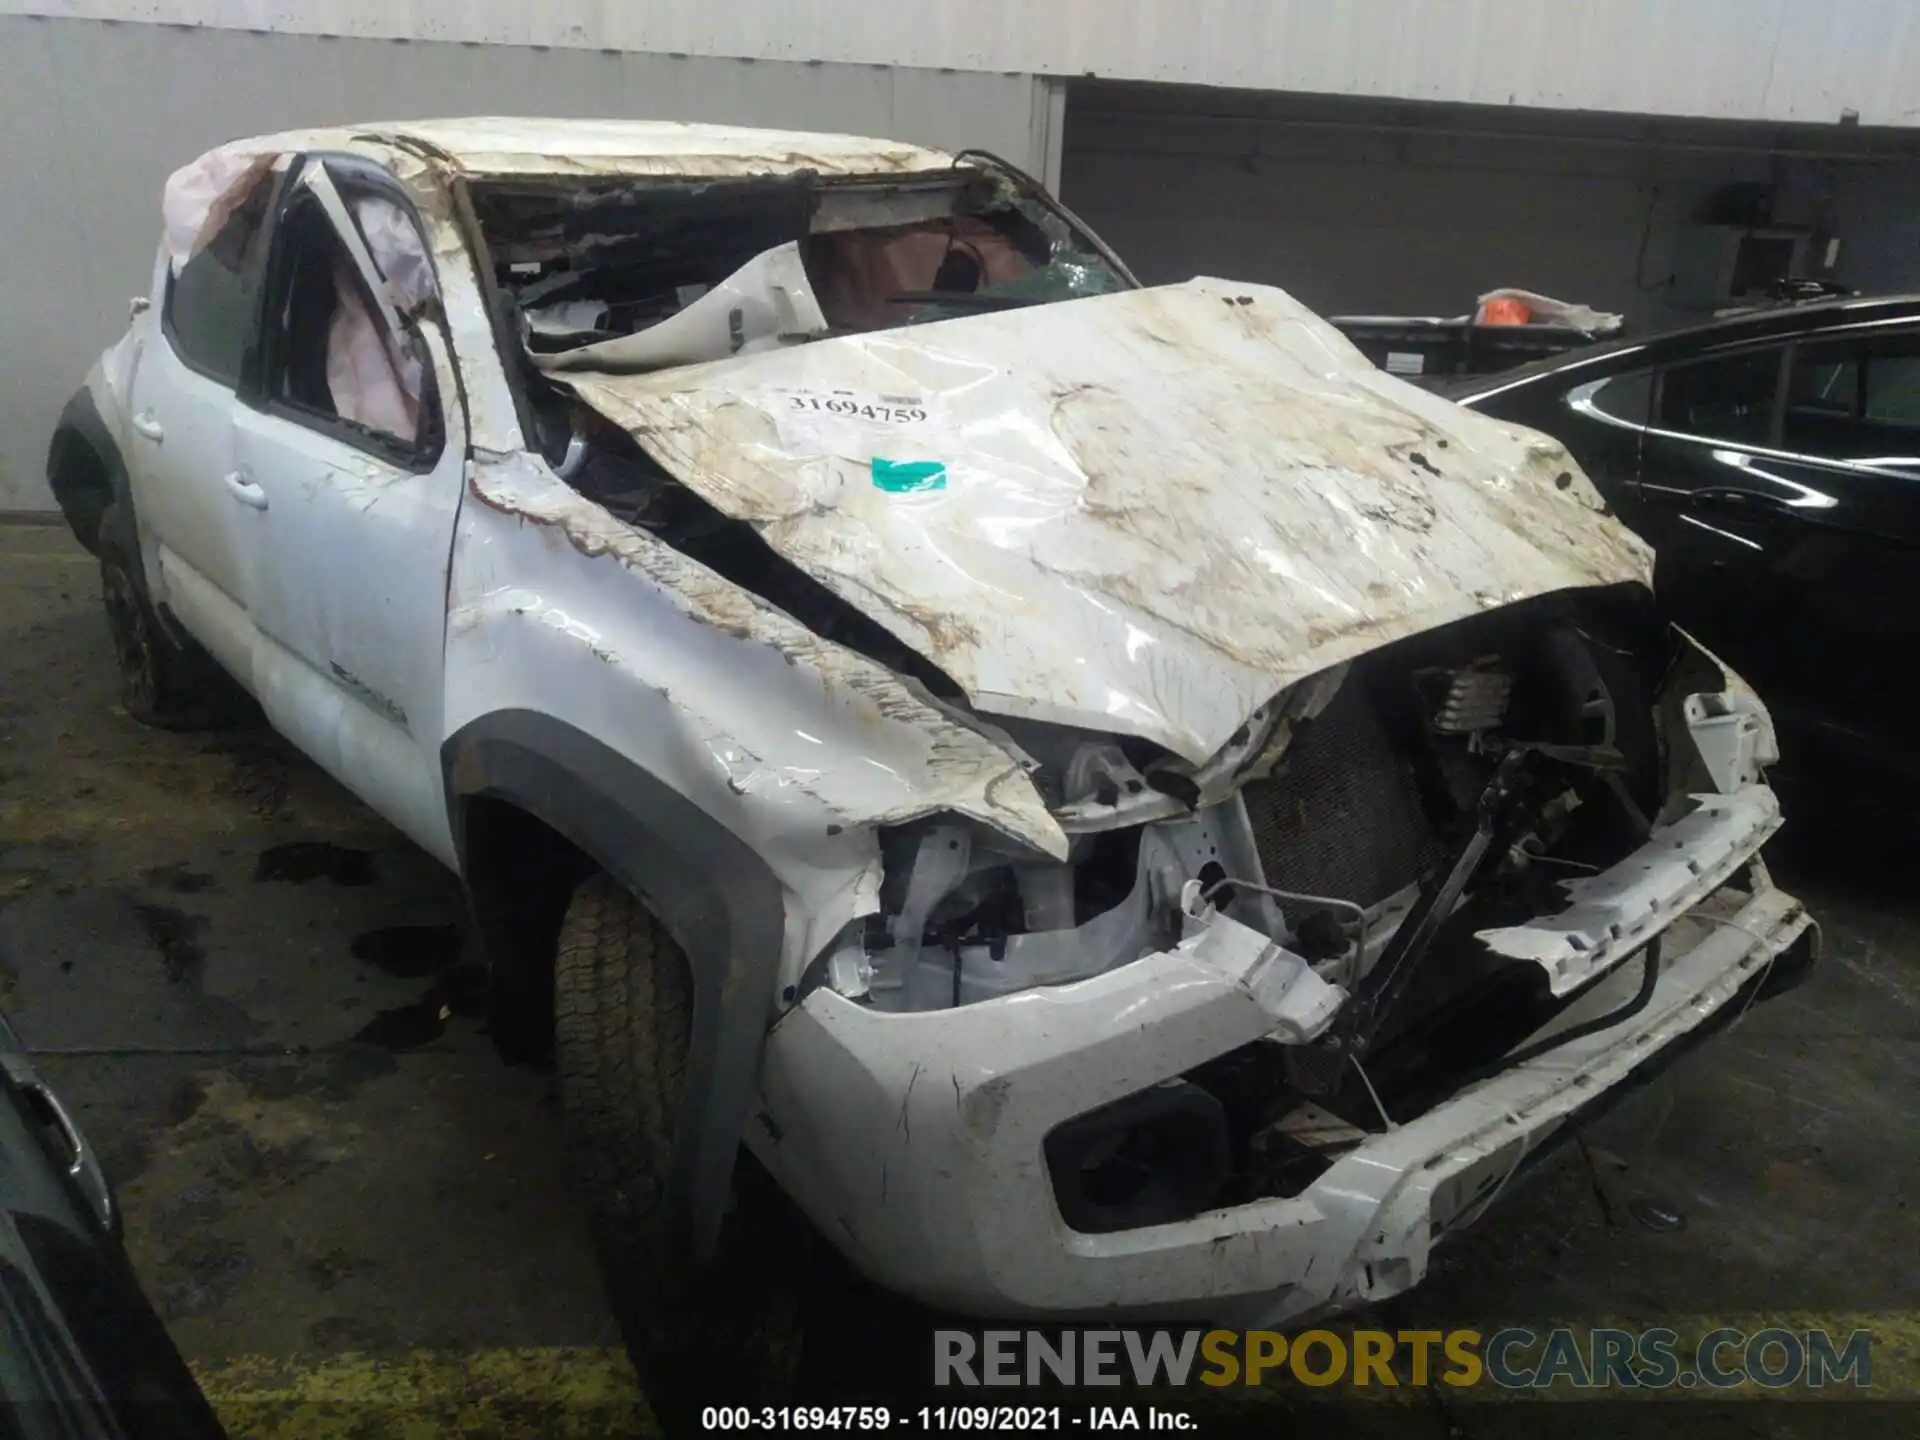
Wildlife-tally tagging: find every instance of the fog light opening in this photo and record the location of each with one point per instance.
(1149, 1159)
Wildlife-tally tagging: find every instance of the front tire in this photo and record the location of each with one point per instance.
(623, 1022)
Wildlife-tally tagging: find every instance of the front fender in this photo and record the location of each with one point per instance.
(717, 898)
(83, 488)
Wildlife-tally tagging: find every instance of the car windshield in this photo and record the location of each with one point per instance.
(647, 275)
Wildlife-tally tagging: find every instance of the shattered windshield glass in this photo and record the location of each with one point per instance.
(639, 276)
(1072, 270)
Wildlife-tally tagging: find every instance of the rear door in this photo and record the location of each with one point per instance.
(180, 440)
(349, 459)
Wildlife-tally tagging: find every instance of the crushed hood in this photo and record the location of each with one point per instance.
(1144, 513)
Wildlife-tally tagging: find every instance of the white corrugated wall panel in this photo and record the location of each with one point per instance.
(1784, 60)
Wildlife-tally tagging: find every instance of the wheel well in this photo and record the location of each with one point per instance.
(82, 483)
(520, 873)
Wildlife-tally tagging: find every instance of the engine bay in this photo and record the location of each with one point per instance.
(1380, 820)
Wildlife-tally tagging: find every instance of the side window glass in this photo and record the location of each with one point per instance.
(1855, 400)
(212, 304)
(1625, 397)
(1893, 390)
(332, 359)
(1727, 398)
(1823, 385)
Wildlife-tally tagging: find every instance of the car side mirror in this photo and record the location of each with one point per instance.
(138, 306)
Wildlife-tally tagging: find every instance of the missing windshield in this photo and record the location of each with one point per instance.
(633, 277)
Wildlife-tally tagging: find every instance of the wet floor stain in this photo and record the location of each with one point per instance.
(257, 1166)
(176, 878)
(409, 952)
(202, 1276)
(334, 1074)
(18, 882)
(334, 1266)
(176, 935)
(187, 1214)
(299, 861)
(183, 1101)
(460, 991)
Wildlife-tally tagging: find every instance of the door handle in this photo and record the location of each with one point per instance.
(145, 424)
(245, 491)
(1736, 495)
(80, 1161)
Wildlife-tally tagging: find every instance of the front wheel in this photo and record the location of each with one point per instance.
(623, 1022)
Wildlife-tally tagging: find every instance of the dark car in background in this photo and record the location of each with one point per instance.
(83, 1356)
(1773, 460)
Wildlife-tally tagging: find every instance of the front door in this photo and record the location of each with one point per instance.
(351, 456)
(1715, 545)
(1790, 541)
(1848, 491)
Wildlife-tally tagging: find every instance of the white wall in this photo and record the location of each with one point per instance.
(1804, 60)
(1418, 210)
(94, 116)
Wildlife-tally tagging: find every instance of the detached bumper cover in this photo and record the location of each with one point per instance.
(1615, 913)
(915, 1141)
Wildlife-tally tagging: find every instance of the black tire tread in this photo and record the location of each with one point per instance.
(623, 1017)
(623, 1024)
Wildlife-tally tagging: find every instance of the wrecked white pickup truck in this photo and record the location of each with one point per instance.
(1117, 804)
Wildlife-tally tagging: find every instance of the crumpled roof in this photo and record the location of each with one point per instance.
(523, 145)
(200, 193)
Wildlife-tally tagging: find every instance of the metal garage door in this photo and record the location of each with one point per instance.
(1361, 206)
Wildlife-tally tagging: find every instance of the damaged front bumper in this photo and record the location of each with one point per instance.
(916, 1140)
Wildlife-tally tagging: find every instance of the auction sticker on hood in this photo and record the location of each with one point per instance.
(843, 422)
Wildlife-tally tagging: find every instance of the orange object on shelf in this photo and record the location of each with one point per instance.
(1505, 310)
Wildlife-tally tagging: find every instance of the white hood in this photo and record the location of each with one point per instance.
(1144, 513)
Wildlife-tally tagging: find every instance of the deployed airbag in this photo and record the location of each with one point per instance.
(765, 303)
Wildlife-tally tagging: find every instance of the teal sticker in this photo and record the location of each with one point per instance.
(903, 477)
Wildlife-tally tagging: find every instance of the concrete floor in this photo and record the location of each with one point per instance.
(353, 1216)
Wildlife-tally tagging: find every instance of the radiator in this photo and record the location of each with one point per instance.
(1342, 816)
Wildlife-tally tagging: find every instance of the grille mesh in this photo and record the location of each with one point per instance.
(1343, 817)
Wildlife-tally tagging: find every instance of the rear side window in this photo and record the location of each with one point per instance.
(1727, 398)
(1855, 399)
(212, 305)
(1893, 389)
(1625, 397)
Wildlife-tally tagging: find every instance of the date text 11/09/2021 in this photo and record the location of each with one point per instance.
(940, 1419)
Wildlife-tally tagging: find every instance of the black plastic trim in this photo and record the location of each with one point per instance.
(716, 897)
(80, 424)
